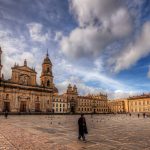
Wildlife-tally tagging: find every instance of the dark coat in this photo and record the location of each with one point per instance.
(82, 126)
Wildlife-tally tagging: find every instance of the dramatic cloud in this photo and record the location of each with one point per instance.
(134, 51)
(36, 32)
(93, 34)
(100, 23)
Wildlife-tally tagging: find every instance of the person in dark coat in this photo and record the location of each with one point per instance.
(82, 127)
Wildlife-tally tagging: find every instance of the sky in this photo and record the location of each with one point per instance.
(99, 45)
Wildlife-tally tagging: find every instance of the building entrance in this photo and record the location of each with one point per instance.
(37, 107)
(23, 106)
(6, 106)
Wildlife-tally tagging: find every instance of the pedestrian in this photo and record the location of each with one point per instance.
(144, 115)
(130, 114)
(6, 114)
(138, 115)
(82, 127)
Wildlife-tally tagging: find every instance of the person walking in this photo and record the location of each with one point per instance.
(138, 115)
(82, 127)
(144, 115)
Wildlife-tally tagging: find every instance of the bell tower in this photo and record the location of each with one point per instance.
(0, 63)
(46, 75)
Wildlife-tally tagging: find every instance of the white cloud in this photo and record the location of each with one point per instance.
(148, 74)
(118, 94)
(100, 23)
(67, 73)
(58, 36)
(134, 51)
(36, 32)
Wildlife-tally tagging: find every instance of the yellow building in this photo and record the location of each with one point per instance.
(92, 104)
(139, 103)
(117, 106)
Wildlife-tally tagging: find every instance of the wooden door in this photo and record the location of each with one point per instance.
(23, 106)
(37, 107)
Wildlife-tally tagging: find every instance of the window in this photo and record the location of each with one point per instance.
(60, 109)
(56, 105)
(63, 105)
(48, 83)
(7, 96)
(60, 105)
(47, 69)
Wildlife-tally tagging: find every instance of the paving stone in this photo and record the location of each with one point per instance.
(60, 132)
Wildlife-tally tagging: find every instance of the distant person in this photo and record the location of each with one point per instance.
(82, 127)
(6, 114)
(138, 115)
(130, 114)
(144, 115)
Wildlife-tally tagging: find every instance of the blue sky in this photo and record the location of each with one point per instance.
(100, 45)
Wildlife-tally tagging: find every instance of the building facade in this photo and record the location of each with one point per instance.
(138, 104)
(92, 104)
(117, 106)
(134, 104)
(21, 93)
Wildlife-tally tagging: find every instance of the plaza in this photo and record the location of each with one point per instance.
(60, 132)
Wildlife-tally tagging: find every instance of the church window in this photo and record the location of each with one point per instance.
(47, 69)
(7, 96)
(48, 83)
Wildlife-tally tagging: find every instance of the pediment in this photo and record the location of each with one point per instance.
(24, 68)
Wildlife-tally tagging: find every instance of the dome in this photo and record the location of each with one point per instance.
(47, 60)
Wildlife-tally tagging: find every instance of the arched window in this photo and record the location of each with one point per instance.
(47, 69)
(48, 83)
(7, 96)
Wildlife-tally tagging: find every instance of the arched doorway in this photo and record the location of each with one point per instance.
(72, 109)
(72, 106)
(37, 107)
(6, 106)
(23, 106)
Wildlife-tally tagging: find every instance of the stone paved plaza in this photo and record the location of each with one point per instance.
(59, 132)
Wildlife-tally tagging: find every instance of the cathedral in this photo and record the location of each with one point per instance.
(21, 93)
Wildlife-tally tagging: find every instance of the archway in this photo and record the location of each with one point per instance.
(23, 106)
(6, 106)
(37, 107)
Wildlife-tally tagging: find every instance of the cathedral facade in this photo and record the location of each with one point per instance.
(21, 93)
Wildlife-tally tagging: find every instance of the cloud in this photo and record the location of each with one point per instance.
(36, 32)
(136, 50)
(118, 94)
(148, 74)
(99, 24)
